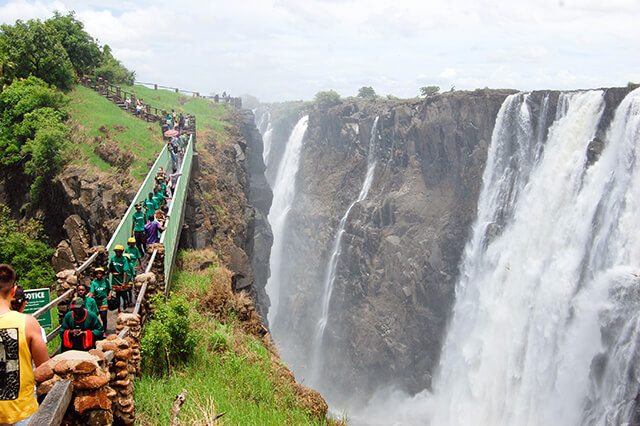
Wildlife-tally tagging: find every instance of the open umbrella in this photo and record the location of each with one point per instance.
(171, 133)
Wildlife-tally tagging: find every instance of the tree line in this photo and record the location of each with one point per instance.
(38, 62)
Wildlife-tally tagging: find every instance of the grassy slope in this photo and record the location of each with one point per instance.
(232, 370)
(208, 114)
(95, 118)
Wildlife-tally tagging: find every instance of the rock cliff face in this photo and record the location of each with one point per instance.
(227, 204)
(395, 276)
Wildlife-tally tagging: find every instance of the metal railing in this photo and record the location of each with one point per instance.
(171, 236)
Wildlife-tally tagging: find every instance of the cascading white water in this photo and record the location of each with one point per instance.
(552, 260)
(330, 275)
(283, 194)
(266, 130)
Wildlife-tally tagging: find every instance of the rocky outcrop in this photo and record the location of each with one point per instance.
(227, 204)
(402, 244)
(98, 199)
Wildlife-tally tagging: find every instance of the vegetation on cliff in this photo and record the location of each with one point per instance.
(57, 51)
(21, 245)
(233, 368)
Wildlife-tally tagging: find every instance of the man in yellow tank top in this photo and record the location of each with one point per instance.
(20, 342)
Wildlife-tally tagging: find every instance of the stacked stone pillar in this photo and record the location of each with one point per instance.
(121, 378)
(92, 395)
(133, 337)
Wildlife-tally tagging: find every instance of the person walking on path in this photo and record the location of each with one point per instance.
(137, 230)
(150, 205)
(20, 344)
(80, 328)
(101, 291)
(119, 268)
(153, 229)
(134, 262)
(89, 302)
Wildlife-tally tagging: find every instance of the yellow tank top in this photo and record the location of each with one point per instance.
(17, 400)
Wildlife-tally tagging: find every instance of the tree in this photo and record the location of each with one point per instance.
(83, 51)
(33, 48)
(367, 92)
(327, 98)
(429, 90)
(32, 134)
(112, 70)
(22, 246)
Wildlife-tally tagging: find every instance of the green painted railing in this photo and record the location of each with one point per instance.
(171, 236)
(123, 231)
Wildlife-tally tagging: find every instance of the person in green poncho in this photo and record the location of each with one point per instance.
(134, 262)
(101, 292)
(89, 302)
(150, 205)
(80, 328)
(119, 268)
(137, 230)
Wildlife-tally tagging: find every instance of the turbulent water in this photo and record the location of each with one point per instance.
(546, 323)
(265, 127)
(283, 194)
(546, 308)
(317, 363)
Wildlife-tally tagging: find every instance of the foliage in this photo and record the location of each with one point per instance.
(429, 90)
(22, 247)
(168, 338)
(112, 70)
(367, 92)
(98, 120)
(56, 50)
(33, 48)
(83, 51)
(327, 98)
(32, 133)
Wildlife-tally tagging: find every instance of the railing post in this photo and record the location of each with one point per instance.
(155, 87)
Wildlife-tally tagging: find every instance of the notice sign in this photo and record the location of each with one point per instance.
(36, 299)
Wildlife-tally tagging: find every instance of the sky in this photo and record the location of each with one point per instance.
(281, 50)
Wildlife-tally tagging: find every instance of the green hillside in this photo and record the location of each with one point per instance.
(95, 120)
(209, 114)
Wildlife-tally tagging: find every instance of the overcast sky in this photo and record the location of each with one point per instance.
(291, 49)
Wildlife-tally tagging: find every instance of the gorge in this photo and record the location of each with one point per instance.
(488, 272)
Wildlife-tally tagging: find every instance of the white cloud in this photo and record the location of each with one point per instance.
(278, 49)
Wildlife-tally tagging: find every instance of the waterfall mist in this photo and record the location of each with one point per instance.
(545, 326)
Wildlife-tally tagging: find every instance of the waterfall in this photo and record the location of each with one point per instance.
(330, 275)
(283, 194)
(546, 322)
(265, 128)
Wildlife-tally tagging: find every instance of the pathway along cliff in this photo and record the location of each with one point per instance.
(543, 301)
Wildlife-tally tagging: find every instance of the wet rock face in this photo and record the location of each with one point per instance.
(402, 244)
(96, 201)
(227, 204)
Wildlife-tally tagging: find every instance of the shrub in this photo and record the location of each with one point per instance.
(367, 92)
(21, 246)
(168, 338)
(327, 98)
(429, 90)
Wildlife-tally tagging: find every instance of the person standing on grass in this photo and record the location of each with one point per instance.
(137, 230)
(119, 268)
(20, 343)
(101, 291)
